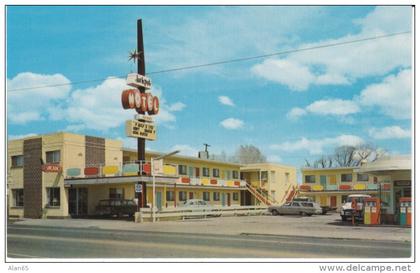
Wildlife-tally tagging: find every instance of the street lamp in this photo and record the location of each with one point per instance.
(152, 161)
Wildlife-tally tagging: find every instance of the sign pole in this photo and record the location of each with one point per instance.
(141, 142)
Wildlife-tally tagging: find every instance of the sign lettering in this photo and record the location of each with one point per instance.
(138, 129)
(51, 168)
(142, 102)
(137, 80)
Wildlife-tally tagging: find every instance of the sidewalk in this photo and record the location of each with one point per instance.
(323, 226)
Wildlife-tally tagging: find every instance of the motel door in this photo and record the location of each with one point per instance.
(228, 199)
(78, 200)
(333, 201)
(223, 199)
(159, 200)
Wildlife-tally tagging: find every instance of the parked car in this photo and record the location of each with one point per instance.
(195, 203)
(346, 210)
(201, 204)
(119, 207)
(297, 208)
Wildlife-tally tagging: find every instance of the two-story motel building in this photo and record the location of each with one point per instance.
(388, 178)
(65, 175)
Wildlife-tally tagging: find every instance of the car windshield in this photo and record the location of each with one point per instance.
(306, 204)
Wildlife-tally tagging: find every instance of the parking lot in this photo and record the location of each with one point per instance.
(322, 226)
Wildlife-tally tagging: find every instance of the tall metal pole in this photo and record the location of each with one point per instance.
(141, 142)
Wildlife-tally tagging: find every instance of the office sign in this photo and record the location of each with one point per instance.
(138, 129)
(51, 168)
(137, 80)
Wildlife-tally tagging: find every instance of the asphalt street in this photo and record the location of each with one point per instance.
(62, 242)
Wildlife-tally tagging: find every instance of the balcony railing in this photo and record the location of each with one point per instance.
(134, 167)
(344, 187)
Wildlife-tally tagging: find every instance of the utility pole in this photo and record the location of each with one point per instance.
(141, 142)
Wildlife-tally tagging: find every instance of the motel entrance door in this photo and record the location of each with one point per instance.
(78, 202)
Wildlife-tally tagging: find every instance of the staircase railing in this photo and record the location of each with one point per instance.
(258, 195)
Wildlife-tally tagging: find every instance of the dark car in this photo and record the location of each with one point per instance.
(119, 207)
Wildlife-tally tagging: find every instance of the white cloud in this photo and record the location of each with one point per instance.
(296, 76)
(30, 105)
(177, 106)
(390, 132)
(317, 146)
(11, 137)
(296, 113)
(346, 63)
(185, 149)
(336, 107)
(392, 95)
(98, 108)
(232, 123)
(226, 101)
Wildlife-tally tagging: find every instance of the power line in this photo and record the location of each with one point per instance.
(225, 61)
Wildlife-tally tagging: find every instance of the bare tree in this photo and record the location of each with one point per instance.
(343, 156)
(348, 156)
(247, 154)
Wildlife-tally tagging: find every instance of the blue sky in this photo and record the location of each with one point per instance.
(293, 107)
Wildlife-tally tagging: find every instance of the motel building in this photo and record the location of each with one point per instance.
(388, 178)
(63, 175)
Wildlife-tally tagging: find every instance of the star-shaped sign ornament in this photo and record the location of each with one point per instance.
(134, 55)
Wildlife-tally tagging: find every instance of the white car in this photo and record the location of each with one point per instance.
(346, 209)
(195, 203)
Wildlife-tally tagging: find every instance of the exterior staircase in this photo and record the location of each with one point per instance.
(290, 193)
(261, 196)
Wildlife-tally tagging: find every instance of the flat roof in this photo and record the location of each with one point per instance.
(210, 161)
(389, 163)
(328, 169)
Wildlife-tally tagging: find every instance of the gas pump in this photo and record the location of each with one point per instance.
(405, 211)
(372, 211)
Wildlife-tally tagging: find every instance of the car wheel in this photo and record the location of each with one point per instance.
(275, 212)
(308, 214)
(343, 218)
(301, 213)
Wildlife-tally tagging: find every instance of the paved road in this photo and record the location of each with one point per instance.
(58, 242)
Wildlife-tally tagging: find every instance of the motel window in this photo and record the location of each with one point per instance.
(206, 196)
(309, 178)
(169, 196)
(287, 177)
(216, 173)
(235, 174)
(191, 171)
(235, 196)
(115, 193)
(182, 195)
(182, 169)
(346, 177)
(53, 197)
(216, 196)
(17, 197)
(362, 177)
(17, 161)
(264, 175)
(228, 175)
(53, 156)
(206, 172)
